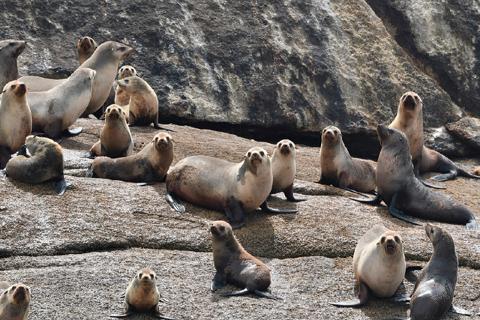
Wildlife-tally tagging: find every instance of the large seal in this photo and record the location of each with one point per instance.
(15, 302)
(379, 265)
(234, 188)
(234, 265)
(9, 52)
(409, 120)
(403, 193)
(115, 137)
(15, 120)
(340, 169)
(284, 169)
(38, 161)
(53, 111)
(150, 164)
(122, 97)
(85, 48)
(142, 296)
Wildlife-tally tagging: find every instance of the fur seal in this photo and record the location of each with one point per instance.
(150, 164)
(234, 265)
(239, 187)
(403, 193)
(53, 111)
(15, 302)
(9, 52)
(115, 138)
(143, 105)
(15, 120)
(379, 265)
(409, 120)
(476, 171)
(38, 161)
(122, 97)
(340, 169)
(142, 296)
(85, 48)
(284, 169)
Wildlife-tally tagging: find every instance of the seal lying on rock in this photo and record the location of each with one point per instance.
(15, 302)
(9, 52)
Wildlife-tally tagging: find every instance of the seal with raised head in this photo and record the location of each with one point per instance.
(9, 52)
(38, 161)
(55, 110)
(150, 164)
(234, 188)
(234, 265)
(379, 266)
(403, 193)
(115, 137)
(340, 169)
(15, 120)
(85, 48)
(122, 97)
(15, 302)
(142, 296)
(284, 169)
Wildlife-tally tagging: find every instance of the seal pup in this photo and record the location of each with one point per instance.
(234, 188)
(403, 193)
(115, 138)
(15, 302)
(234, 265)
(340, 169)
(55, 110)
(15, 120)
(150, 164)
(379, 266)
(38, 161)
(284, 169)
(142, 296)
(85, 48)
(122, 97)
(9, 52)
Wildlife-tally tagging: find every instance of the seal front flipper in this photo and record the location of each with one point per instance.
(61, 186)
(373, 201)
(158, 315)
(219, 281)
(428, 184)
(265, 208)
(127, 314)
(402, 298)
(174, 203)
(235, 213)
(458, 310)
(73, 132)
(362, 298)
(236, 293)
(289, 195)
(398, 213)
(268, 295)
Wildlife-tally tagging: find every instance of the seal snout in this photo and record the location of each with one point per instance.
(20, 89)
(20, 292)
(409, 101)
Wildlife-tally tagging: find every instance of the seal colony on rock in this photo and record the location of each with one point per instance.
(234, 265)
(122, 97)
(9, 52)
(85, 48)
(15, 302)
(403, 193)
(234, 188)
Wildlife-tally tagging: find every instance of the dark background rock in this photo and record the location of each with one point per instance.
(467, 130)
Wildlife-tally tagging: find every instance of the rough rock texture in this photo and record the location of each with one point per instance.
(467, 130)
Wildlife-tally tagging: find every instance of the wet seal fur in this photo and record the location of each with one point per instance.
(403, 193)
(122, 97)
(150, 164)
(239, 187)
(9, 52)
(234, 265)
(15, 302)
(86, 46)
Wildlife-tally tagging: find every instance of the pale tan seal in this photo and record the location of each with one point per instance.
(284, 169)
(85, 48)
(339, 168)
(379, 266)
(476, 171)
(150, 164)
(115, 137)
(9, 52)
(142, 296)
(15, 302)
(122, 97)
(234, 188)
(38, 161)
(55, 110)
(234, 265)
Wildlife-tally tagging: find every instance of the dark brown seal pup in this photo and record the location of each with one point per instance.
(236, 266)
(150, 164)
(15, 302)
(85, 48)
(379, 266)
(9, 52)
(340, 169)
(142, 296)
(234, 188)
(403, 193)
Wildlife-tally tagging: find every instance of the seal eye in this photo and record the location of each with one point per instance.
(382, 240)
(122, 49)
(152, 276)
(13, 288)
(262, 153)
(222, 228)
(397, 239)
(249, 154)
(139, 276)
(291, 145)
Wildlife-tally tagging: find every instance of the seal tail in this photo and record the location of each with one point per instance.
(174, 203)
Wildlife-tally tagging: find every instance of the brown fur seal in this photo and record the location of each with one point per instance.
(122, 97)
(409, 120)
(284, 169)
(379, 265)
(53, 111)
(150, 164)
(85, 48)
(38, 161)
(142, 296)
(476, 171)
(403, 193)
(143, 105)
(340, 169)
(238, 187)
(234, 265)
(15, 302)
(115, 138)
(9, 52)
(15, 120)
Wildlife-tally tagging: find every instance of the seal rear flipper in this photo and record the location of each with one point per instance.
(88, 155)
(157, 315)
(472, 225)
(458, 310)
(376, 201)
(428, 184)
(467, 174)
(409, 273)
(219, 281)
(289, 195)
(401, 298)
(122, 316)
(362, 298)
(452, 174)
(73, 132)
(268, 295)
(61, 186)
(398, 213)
(265, 208)
(235, 213)
(174, 203)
